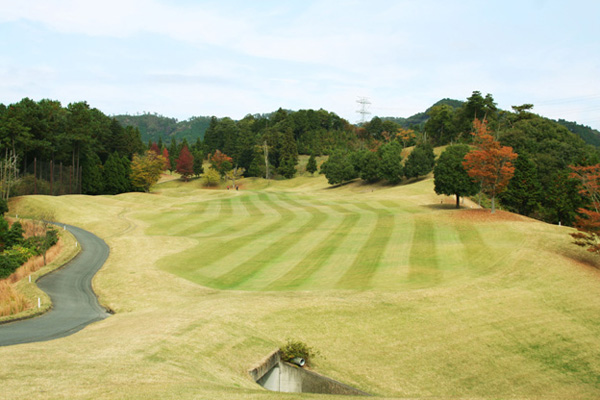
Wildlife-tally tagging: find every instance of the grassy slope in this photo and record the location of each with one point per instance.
(403, 296)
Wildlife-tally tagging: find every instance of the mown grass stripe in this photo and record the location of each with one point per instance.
(424, 267)
(365, 265)
(169, 219)
(245, 220)
(225, 211)
(475, 248)
(191, 262)
(214, 253)
(318, 257)
(245, 271)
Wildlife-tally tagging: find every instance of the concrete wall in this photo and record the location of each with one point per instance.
(276, 375)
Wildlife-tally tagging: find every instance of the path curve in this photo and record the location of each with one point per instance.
(74, 303)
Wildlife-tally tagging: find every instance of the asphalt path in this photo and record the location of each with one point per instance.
(74, 303)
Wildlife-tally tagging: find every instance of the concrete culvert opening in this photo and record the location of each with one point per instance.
(280, 376)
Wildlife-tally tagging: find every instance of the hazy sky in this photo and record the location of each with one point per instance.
(231, 58)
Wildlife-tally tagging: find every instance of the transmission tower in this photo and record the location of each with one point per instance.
(363, 110)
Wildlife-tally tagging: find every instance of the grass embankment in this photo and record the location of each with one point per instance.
(403, 296)
(19, 296)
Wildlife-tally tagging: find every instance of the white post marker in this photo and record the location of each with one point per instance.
(39, 303)
(75, 244)
(29, 278)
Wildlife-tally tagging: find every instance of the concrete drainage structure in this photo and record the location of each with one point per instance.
(279, 376)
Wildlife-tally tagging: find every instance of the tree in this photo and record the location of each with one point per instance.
(221, 162)
(185, 163)
(524, 189)
(450, 177)
(92, 181)
(49, 235)
(211, 177)
(420, 161)
(588, 222)
(198, 160)
(390, 167)
(155, 148)
(173, 151)
(441, 124)
(338, 168)
(15, 235)
(146, 169)
(115, 175)
(311, 166)
(165, 154)
(235, 174)
(491, 163)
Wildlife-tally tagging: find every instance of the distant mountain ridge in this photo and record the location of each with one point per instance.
(153, 126)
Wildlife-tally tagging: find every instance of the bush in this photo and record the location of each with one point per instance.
(13, 258)
(295, 349)
(30, 185)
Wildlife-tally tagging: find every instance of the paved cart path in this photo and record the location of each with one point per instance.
(75, 304)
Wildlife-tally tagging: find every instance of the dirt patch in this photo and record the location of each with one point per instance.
(481, 215)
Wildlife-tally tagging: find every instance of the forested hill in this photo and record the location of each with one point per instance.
(155, 126)
(420, 118)
(589, 135)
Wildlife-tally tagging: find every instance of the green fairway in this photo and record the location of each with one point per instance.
(403, 296)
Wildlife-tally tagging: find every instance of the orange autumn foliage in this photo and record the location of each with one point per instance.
(588, 222)
(491, 163)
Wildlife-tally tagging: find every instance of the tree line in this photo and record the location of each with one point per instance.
(95, 154)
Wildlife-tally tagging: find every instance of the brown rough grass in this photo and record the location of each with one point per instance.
(11, 300)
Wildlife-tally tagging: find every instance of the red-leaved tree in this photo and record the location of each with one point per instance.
(154, 147)
(490, 164)
(185, 163)
(588, 220)
(165, 155)
(221, 162)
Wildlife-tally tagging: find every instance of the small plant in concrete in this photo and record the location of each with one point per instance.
(297, 349)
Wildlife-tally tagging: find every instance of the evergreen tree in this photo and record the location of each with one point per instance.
(198, 161)
(212, 141)
(92, 181)
(522, 195)
(420, 162)
(287, 168)
(173, 151)
(116, 177)
(450, 177)
(15, 235)
(257, 166)
(311, 166)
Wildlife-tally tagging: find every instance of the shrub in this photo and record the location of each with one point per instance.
(295, 349)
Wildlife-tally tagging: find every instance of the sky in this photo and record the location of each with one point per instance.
(187, 58)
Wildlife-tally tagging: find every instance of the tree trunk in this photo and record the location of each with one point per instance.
(457, 201)
(493, 204)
